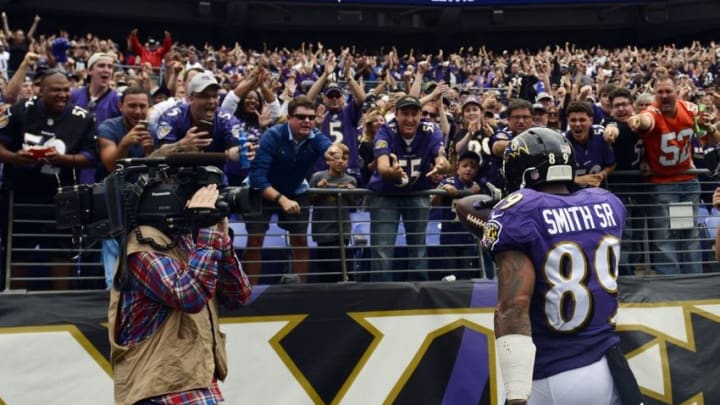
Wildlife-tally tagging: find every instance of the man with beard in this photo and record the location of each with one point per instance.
(593, 156)
(667, 128)
(342, 119)
(97, 97)
(42, 142)
(198, 123)
(628, 148)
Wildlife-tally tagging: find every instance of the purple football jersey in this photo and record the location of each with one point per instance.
(574, 243)
(415, 158)
(593, 156)
(343, 127)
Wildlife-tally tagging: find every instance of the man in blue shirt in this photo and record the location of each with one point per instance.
(286, 154)
(122, 137)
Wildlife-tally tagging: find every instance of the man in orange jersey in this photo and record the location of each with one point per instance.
(667, 128)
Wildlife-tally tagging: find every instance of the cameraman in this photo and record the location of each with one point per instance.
(163, 318)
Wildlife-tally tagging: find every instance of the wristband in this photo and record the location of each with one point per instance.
(277, 197)
(516, 355)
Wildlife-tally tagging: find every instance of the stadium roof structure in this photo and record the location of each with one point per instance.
(576, 20)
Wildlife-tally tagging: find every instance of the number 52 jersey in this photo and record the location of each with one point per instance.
(573, 241)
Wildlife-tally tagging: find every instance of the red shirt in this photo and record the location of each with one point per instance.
(668, 144)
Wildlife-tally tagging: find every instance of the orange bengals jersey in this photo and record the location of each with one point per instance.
(668, 145)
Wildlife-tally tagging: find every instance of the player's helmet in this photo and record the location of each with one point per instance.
(538, 156)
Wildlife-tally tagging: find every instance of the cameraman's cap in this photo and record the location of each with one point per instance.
(408, 101)
(471, 100)
(99, 55)
(543, 96)
(202, 82)
(332, 88)
(470, 155)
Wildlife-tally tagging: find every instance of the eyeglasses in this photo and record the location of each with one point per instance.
(429, 114)
(303, 117)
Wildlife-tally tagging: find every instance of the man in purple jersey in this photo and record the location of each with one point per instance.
(557, 252)
(594, 158)
(97, 97)
(342, 119)
(407, 151)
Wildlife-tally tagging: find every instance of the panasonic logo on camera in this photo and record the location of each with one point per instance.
(165, 193)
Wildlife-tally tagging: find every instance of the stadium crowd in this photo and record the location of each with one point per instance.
(108, 100)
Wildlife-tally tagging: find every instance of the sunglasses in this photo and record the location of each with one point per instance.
(303, 117)
(429, 114)
(334, 95)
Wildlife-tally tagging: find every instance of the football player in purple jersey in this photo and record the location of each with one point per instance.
(558, 250)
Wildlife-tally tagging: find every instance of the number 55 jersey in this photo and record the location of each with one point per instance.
(573, 241)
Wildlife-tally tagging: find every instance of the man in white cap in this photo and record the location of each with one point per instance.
(97, 97)
(544, 98)
(198, 123)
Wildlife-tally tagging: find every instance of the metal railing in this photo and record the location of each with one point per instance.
(39, 258)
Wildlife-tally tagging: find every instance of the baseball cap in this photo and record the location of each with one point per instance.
(152, 41)
(429, 86)
(539, 107)
(408, 101)
(543, 95)
(471, 100)
(470, 155)
(200, 82)
(332, 88)
(96, 57)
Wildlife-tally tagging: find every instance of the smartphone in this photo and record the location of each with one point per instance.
(205, 126)
(143, 123)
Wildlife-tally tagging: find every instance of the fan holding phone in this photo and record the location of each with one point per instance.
(199, 123)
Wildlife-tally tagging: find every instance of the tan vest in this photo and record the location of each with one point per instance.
(183, 354)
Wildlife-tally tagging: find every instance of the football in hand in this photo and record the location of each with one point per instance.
(473, 211)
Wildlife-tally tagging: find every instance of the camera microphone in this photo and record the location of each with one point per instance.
(196, 159)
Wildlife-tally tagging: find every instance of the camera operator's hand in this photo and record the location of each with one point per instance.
(197, 138)
(205, 197)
